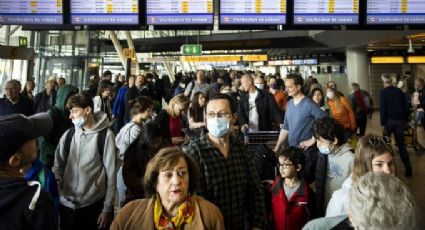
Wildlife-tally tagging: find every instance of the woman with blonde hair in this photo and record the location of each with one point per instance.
(341, 110)
(373, 154)
(173, 121)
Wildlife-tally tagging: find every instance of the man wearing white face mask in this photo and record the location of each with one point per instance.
(257, 108)
(228, 174)
(84, 168)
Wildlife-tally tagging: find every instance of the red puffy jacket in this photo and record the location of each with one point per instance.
(294, 213)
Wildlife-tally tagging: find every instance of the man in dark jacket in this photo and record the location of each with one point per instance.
(23, 205)
(46, 99)
(394, 116)
(257, 108)
(13, 102)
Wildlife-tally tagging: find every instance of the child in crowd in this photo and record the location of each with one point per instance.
(292, 199)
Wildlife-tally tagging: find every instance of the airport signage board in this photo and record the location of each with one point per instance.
(416, 59)
(253, 12)
(255, 58)
(311, 61)
(211, 59)
(381, 12)
(31, 12)
(23, 41)
(326, 12)
(129, 53)
(195, 50)
(105, 12)
(387, 60)
(180, 12)
(257, 64)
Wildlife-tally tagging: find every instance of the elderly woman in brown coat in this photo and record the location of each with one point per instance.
(171, 176)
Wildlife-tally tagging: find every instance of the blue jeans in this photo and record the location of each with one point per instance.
(397, 127)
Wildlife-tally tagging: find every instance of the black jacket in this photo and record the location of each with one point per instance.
(24, 106)
(43, 102)
(163, 120)
(266, 109)
(18, 210)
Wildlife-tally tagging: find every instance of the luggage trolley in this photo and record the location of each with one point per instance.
(253, 139)
(265, 159)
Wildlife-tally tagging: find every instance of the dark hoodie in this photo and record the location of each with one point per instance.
(61, 123)
(24, 205)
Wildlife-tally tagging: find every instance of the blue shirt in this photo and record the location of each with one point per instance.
(299, 120)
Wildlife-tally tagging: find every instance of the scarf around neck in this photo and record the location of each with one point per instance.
(184, 215)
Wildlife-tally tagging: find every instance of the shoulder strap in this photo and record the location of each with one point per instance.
(191, 87)
(100, 141)
(68, 139)
(101, 138)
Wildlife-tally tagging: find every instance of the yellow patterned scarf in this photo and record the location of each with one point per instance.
(184, 215)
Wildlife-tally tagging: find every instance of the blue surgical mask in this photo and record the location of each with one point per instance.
(218, 127)
(273, 86)
(260, 86)
(79, 123)
(324, 150)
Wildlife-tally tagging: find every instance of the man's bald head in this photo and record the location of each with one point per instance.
(247, 81)
(13, 88)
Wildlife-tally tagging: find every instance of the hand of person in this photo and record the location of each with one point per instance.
(177, 140)
(104, 219)
(268, 184)
(255, 228)
(308, 143)
(244, 128)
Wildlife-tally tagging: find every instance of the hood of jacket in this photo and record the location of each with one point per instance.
(62, 94)
(101, 120)
(16, 192)
(127, 135)
(343, 149)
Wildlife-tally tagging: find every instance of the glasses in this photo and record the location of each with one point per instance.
(376, 140)
(219, 115)
(168, 175)
(285, 165)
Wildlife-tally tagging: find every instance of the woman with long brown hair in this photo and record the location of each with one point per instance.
(373, 154)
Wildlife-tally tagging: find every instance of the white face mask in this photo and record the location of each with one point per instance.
(324, 150)
(79, 123)
(260, 86)
(330, 95)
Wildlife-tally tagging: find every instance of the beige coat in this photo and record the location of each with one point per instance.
(138, 215)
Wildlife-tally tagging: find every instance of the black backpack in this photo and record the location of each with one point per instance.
(265, 162)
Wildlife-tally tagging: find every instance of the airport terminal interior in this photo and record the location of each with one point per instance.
(337, 41)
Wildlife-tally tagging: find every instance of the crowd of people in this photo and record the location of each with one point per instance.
(113, 157)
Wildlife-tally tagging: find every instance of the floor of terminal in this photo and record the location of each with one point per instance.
(416, 183)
